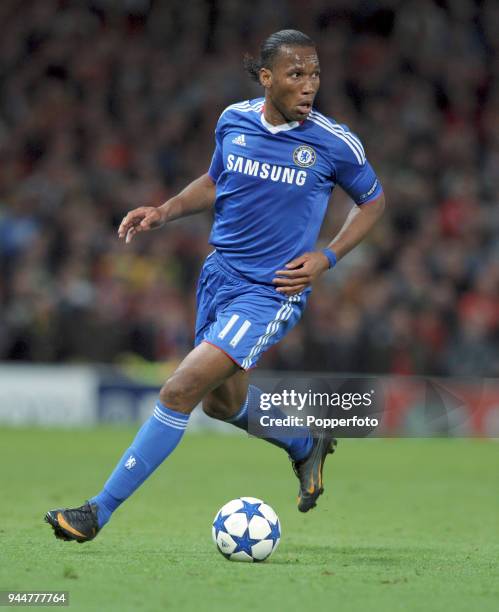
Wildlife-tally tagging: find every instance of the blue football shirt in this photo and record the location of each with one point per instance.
(273, 185)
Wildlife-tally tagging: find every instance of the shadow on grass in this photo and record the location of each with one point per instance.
(348, 555)
(303, 555)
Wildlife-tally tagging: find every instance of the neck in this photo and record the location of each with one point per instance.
(272, 114)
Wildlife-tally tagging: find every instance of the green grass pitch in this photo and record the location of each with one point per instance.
(403, 525)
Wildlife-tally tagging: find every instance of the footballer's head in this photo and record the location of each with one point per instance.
(288, 69)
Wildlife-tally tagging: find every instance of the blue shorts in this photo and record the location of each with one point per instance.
(240, 317)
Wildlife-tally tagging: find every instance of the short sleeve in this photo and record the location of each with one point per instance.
(354, 173)
(217, 161)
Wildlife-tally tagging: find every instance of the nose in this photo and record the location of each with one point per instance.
(310, 86)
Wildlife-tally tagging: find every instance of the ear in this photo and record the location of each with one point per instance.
(265, 77)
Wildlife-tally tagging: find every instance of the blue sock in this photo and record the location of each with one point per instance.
(154, 441)
(297, 441)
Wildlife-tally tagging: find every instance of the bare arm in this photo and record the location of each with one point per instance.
(356, 227)
(303, 270)
(196, 197)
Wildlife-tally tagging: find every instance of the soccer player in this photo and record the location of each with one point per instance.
(275, 164)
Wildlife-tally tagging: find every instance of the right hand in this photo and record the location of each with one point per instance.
(140, 219)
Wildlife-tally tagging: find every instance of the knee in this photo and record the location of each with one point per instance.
(216, 408)
(180, 392)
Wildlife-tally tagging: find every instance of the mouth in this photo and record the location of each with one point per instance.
(304, 108)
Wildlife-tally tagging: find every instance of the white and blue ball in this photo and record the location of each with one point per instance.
(246, 529)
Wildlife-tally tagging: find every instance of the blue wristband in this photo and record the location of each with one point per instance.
(331, 255)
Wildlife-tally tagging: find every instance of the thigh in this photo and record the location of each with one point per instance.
(227, 399)
(205, 368)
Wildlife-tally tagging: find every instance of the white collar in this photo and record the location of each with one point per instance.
(274, 129)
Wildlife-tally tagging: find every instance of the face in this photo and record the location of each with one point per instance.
(292, 83)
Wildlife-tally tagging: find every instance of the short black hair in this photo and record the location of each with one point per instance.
(270, 48)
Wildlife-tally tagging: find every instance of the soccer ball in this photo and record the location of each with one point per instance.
(246, 529)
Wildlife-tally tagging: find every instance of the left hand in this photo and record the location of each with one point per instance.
(301, 272)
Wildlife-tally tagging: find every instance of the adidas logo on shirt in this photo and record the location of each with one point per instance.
(239, 140)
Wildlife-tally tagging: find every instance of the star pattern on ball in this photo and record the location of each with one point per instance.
(251, 510)
(275, 532)
(244, 543)
(219, 524)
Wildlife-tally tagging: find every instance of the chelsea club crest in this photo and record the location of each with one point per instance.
(304, 156)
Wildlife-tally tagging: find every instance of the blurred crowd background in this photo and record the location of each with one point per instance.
(106, 105)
